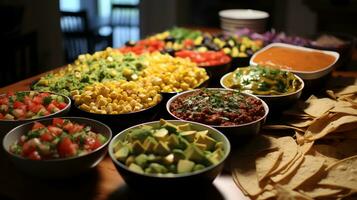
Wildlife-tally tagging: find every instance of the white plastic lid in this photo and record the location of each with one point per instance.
(243, 14)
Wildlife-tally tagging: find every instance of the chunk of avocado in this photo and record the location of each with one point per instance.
(178, 155)
(201, 133)
(184, 127)
(169, 159)
(162, 149)
(150, 144)
(129, 160)
(219, 145)
(219, 152)
(161, 134)
(157, 168)
(207, 140)
(198, 167)
(183, 143)
(195, 154)
(203, 147)
(170, 127)
(185, 166)
(136, 168)
(117, 145)
(214, 158)
(153, 158)
(189, 135)
(172, 168)
(139, 134)
(137, 148)
(173, 141)
(141, 160)
(122, 153)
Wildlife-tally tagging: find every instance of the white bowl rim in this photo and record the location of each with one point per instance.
(42, 117)
(336, 55)
(226, 153)
(265, 105)
(232, 14)
(59, 159)
(269, 96)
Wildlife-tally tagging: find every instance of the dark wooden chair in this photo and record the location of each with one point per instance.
(19, 58)
(78, 37)
(124, 20)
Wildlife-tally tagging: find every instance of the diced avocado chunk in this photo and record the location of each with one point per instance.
(198, 167)
(219, 145)
(136, 168)
(170, 127)
(172, 168)
(195, 154)
(161, 134)
(207, 140)
(183, 143)
(162, 149)
(215, 157)
(129, 160)
(157, 168)
(141, 160)
(173, 141)
(139, 134)
(189, 135)
(137, 148)
(150, 144)
(203, 147)
(169, 159)
(122, 153)
(185, 166)
(184, 127)
(201, 133)
(178, 155)
(153, 158)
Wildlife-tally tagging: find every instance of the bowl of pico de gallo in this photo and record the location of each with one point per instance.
(21, 107)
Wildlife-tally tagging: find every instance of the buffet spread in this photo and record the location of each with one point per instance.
(246, 100)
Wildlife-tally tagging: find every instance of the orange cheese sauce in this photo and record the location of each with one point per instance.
(294, 59)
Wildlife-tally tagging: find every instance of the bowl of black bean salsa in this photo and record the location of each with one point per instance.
(232, 112)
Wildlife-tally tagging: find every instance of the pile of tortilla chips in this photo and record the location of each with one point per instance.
(320, 162)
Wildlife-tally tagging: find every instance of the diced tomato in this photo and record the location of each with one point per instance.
(67, 148)
(37, 125)
(75, 128)
(10, 93)
(36, 108)
(47, 137)
(28, 147)
(38, 99)
(188, 43)
(52, 108)
(34, 155)
(18, 104)
(58, 122)
(44, 94)
(68, 126)
(55, 130)
(62, 105)
(4, 100)
(18, 113)
(1, 116)
(92, 143)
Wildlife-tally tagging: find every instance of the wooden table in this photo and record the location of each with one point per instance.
(103, 182)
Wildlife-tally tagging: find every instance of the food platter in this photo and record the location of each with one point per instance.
(297, 152)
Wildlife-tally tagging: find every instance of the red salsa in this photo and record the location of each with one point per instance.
(61, 139)
(29, 105)
(218, 107)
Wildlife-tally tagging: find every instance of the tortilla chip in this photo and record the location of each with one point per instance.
(346, 110)
(245, 174)
(266, 194)
(257, 144)
(300, 123)
(342, 174)
(351, 89)
(327, 124)
(266, 162)
(289, 148)
(306, 147)
(299, 137)
(320, 191)
(309, 167)
(288, 170)
(331, 94)
(346, 148)
(327, 150)
(318, 107)
(284, 193)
